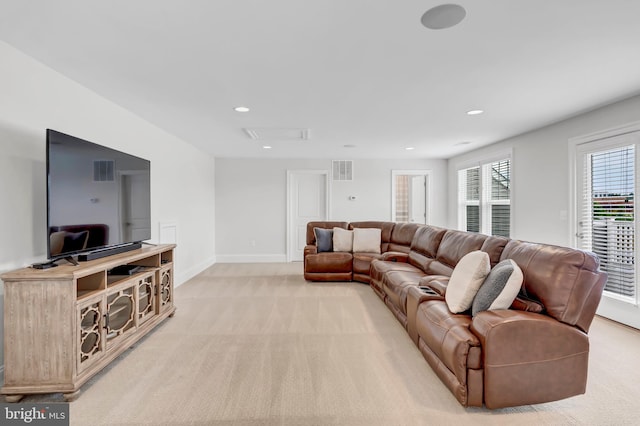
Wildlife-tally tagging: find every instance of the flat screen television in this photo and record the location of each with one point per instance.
(98, 198)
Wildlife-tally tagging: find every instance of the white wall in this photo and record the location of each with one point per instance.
(540, 175)
(34, 98)
(251, 200)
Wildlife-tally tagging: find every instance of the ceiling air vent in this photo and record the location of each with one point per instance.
(342, 169)
(278, 134)
(103, 170)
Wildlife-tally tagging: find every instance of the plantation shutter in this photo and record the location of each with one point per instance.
(498, 190)
(469, 192)
(608, 212)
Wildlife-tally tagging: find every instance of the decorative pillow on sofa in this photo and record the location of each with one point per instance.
(324, 239)
(466, 279)
(499, 289)
(342, 240)
(367, 240)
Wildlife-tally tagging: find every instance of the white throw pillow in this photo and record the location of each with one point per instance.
(342, 240)
(466, 279)
(367, 240)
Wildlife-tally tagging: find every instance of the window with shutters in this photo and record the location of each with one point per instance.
(484, 195)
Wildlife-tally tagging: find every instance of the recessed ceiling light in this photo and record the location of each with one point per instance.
(266, 147)
(464, 143)
(475, 112)
(241, 109)
(349, 146)
(443, 16)
(410, 148)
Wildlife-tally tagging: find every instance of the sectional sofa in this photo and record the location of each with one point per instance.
(533, 350)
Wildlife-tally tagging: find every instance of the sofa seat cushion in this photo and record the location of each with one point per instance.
(380, 267)
(449, 337)
(328, 262)
(362, 262)
(396, 286)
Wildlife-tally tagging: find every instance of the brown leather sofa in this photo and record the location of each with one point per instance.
(536, 351)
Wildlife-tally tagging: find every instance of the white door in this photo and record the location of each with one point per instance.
(134, 204)
(307, 201)
(606, 178)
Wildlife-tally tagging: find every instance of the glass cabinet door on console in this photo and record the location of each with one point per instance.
(147, 291)
(166, 287)
(120, 312)
(91, 341)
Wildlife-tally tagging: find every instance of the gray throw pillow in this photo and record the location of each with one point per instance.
(324, 239)
(499, 289)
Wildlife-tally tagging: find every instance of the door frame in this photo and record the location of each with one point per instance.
(610, 306)
(290, 214)
(427, 197)
(121, 174)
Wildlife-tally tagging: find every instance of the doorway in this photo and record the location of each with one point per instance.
(307, 201)
(410, 196)
(605, 181)
(134, 206)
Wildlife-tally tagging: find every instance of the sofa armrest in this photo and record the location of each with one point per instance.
(437, 282)
(395, 256)
(530, 358)
(415, 296)
(310, 249)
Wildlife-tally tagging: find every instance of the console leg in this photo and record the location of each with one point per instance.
(13, 398)
(68, 397)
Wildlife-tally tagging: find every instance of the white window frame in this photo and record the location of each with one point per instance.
(485, 201)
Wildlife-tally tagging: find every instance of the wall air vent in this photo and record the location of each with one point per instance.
(342, 169)
(103, 171)
(278, 134)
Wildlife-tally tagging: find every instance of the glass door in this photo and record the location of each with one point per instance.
(606, 181)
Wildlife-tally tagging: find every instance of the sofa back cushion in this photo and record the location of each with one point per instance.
(566, 281)
(401, 237)
(494, 246)
(424, 246)
(311, 238)
(385, 228)
(454, 245)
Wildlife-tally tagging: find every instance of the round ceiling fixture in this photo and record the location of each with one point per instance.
(443, 16)
(241, 109)
(475, 112)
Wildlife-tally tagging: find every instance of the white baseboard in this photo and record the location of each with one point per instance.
(184, 276)
(251, 258)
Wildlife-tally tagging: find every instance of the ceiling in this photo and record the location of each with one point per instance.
(360, 73)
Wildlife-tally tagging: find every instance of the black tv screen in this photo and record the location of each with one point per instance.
(97, 197)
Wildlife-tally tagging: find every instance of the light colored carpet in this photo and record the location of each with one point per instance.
(254, 344)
